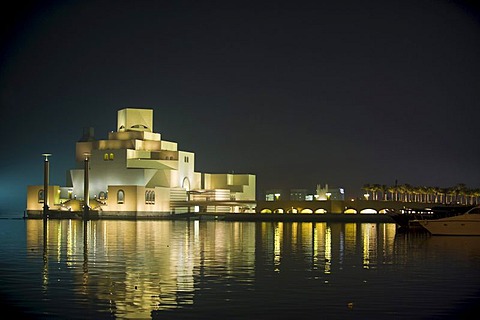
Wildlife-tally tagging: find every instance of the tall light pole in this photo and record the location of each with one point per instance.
(46, 169)
(86, 192)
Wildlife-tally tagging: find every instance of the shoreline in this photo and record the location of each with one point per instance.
(247, 217)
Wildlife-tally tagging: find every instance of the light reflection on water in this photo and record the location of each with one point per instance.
(262, 270)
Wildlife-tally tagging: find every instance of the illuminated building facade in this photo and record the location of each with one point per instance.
(321, 193)
(134, 173)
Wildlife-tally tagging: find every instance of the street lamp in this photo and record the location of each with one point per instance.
(86, 197)
(46, 169)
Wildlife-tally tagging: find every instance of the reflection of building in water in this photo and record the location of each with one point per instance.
(136, 173)
(327, 244)
(136, 268)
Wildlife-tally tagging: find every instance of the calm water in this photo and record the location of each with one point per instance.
(233, 270)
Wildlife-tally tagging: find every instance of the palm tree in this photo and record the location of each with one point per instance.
(393, 192)
(383, 189)
(368, 188)
(459, 190)
(408, 193)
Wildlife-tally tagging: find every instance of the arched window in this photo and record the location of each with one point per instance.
(120, 196)
(101, 195)
(186, 184)
(111, 156)
(41, 196)
(105, 157)
(149, 197)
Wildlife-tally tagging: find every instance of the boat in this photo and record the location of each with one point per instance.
(407, 218)
(466, 224)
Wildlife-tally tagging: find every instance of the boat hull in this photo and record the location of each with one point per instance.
(463, 225)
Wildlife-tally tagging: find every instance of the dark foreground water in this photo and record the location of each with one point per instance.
(233, 270)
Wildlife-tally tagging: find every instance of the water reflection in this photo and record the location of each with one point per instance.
(136, 268)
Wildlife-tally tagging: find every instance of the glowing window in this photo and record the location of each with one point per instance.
(111, 156)
(266, 211)
(306, 211)
(105, 157)
(41, 196)
(321, 211)
(350, 211)
(368, 211)
(120, 196)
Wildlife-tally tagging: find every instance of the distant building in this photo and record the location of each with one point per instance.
(136, 173)
(274, 195)
(320, 194)
(328, 193)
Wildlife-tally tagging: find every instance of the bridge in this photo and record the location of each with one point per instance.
(341, 206)
(357, 206)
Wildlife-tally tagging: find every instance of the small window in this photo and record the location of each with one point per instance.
(105, 157)
(41, 196)
(120, 196)
(149, 197)
(101, 195)
(111, 156)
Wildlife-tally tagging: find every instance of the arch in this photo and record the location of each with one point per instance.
(350, 211)
(278, 210)
(265, 211)
(102, 195)
(186, 184)
(105, 157)
(368, 211)
(120, 196)
(321, 211)
(41, 196)
(139, 126)
(306, 210)
(292, 210)
(149, 197)
(111, 156)
(383, 211)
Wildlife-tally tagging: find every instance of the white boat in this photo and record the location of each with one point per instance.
(467, 224)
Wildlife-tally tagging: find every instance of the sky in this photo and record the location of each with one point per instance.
(299, 93)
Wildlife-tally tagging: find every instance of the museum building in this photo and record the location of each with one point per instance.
(136, 174)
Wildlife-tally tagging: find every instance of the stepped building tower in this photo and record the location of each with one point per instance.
(136, 174)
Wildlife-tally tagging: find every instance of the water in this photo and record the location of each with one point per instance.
(69, 269)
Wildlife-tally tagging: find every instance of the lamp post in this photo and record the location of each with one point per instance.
(46, 169)
(86, 196)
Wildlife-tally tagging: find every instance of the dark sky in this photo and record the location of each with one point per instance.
(297, 92)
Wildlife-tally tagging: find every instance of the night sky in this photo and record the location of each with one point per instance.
(299, 92)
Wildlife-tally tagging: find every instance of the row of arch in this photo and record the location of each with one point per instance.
(323, 211)
(149, 197)
(108, 156)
